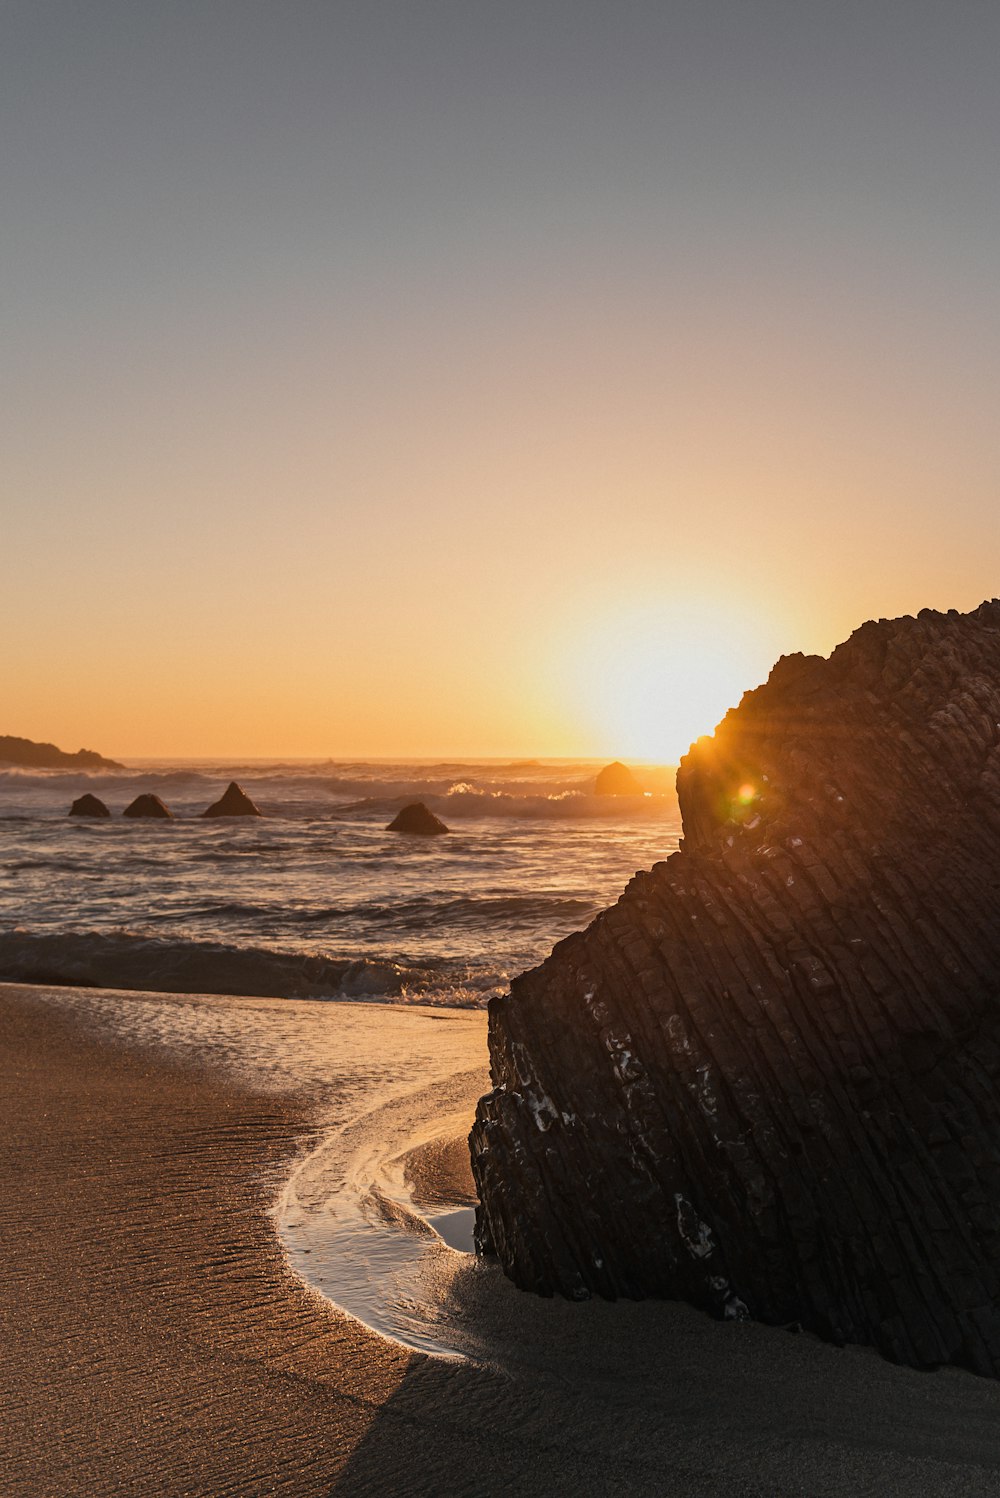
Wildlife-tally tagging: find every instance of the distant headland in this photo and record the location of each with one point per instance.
(25, 752)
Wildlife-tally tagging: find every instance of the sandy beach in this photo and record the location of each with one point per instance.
(172, 1161)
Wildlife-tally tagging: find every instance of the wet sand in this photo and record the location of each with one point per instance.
(157, 1339)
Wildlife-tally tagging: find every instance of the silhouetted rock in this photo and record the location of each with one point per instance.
(417, 818)
(766, 1081)
(88, 806)
(617, 779)
(234, 803)
(147, 805)
(26, 752)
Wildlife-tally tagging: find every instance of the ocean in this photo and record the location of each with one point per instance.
(316, 899)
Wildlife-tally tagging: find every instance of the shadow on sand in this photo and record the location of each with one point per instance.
(655, 1398)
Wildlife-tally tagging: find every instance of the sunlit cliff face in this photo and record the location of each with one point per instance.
(653, 679)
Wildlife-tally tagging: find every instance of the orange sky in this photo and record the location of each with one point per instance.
(486, 388)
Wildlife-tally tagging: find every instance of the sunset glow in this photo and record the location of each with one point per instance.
(647, 681)
(344, 422)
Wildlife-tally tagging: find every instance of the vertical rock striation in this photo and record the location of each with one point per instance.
(766, 1081)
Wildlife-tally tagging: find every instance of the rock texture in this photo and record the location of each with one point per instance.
(147, 805)
(88, 806)
(766, 1081)
(616, 779)
(234, 803)
(15, 751)
(417, 818)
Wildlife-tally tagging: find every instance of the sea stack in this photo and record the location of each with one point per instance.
(234, 803)
(767, 1081)
(616, 779)
(417, 818)
(147, 805)
(88, 806)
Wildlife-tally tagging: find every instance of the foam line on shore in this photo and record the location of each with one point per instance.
(352, 1227)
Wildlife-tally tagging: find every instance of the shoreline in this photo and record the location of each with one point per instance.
(158, 1338)
(373, 1217)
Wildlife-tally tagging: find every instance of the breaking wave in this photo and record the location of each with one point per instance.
(464, 801)
(133, 960)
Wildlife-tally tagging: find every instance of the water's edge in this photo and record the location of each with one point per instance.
(356, 1227)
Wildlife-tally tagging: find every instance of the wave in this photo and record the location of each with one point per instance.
(35, 775)
(425, 913)
(422, 913)
(461, 802)
(64, 864)
(132, 960)
(478, 910)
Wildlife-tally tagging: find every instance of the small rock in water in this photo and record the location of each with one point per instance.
(417, 818)
(147, 805)
(88, 806)
(235, 803)
(617, 779)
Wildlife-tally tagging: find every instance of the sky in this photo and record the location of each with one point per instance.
(482, 378)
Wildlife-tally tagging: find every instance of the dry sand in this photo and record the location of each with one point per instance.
(157, 1340)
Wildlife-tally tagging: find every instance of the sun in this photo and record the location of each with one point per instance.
(646, 681)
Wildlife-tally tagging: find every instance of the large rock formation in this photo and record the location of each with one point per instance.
(417, 818)
(15, 751)
(233, 803)
(88, 806)
(147, 805)
(616, 779)
(766, 1081)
